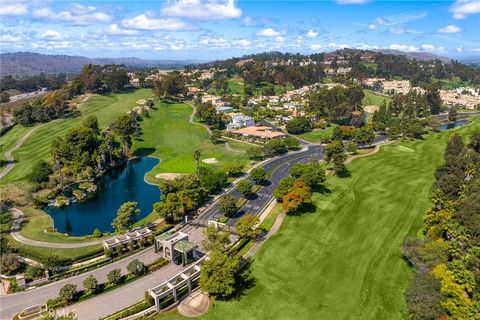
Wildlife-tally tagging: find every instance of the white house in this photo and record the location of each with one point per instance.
(240, 121)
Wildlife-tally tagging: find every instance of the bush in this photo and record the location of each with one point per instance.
(136, 267)
(149, 299)
(9, 263)
(114, 277)
(90, 283)
(68, 293)
(258, 175)
(299, 125)
(33, 272)
(40, 172)
(97, 233)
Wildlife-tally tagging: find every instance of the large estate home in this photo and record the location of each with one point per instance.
(239, 121)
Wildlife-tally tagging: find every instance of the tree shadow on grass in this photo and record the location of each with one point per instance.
(143, 152)
(244, 281)
(321, 189)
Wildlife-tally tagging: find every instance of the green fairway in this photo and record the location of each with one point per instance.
(317, 135)
(345, 260)
(373, 98)
(37, 146)
(168, 135)
(9, 139)
(236, 85)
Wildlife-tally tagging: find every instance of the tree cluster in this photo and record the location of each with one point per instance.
(447, 260)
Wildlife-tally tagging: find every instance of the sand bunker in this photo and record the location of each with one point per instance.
(210, 160)
(371, 109)
(194, 305)
(168, 176)
(141, 101)
(402, 148)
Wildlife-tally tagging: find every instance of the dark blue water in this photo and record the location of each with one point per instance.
(118, 186)
(451, 125)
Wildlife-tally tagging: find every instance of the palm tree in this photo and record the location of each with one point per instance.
(196, 156)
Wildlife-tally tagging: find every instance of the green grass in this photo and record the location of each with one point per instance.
(37, 221)
(37, 146)
(168, 135)
(270, 219)
(318, 135)
(373, 98)
(236, 85)
(38, 253)
(9, 139)
(170, 315)
(344, 261)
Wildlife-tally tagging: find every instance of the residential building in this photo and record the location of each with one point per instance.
(239, 121)
(259, 133)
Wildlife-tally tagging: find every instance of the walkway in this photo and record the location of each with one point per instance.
(9, 156)
(16, 302)
(17, 236)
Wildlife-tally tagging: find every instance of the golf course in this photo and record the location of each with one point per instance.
(168, 135)
(344, 261)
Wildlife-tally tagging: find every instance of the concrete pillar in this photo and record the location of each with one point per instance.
(174, 292)
(157, 304)
(189, 285)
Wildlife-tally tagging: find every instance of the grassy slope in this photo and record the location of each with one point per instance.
(37, 146)
(9, 139)
(236, 85)
(373, 98)
(345, 260)
(317, 135)
(167, 134)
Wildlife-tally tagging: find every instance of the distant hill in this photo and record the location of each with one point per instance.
(422, 56)
(30, 63)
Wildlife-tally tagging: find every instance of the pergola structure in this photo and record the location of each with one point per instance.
(177, 286)
(126, 238)
(176, 247)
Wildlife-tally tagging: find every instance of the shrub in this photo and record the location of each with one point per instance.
(9, 263)
(97, 233)
(68, 293)
(90, 283)
(114, 277)
(258, 174)
(40, 172)
(149, 299)
(136, 267)
(33, 272)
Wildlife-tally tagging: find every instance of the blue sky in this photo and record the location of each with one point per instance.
(211, 29)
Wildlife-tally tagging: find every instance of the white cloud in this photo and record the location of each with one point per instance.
(372, 26)
(431, 48)
(242, 43)
(311, 34)
(202, 9)
(316, 47)
(249, 22)
(114, 29)
(460, 49)
(280, 39)
(462, 8)
(142, 22)
(13, 9)
(333, 45)
(269, 32)
(450, 29)
(12, 38)
(352, 1)
(403, 47)
(213, 42)
(77, 14)
(476, 50)
(52, 35)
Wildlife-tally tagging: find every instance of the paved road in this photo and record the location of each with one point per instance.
(279, 168)
(13, 303)
(444, 116)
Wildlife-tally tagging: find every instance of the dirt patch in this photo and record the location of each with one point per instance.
(210, 160)
(371, 109)
(168, 176)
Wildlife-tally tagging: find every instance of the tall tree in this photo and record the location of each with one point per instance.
(125, 216)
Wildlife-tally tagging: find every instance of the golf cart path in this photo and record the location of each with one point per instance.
(17, 236)
(8, 154)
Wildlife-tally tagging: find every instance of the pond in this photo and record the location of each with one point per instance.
(120, 185)
(450, 125)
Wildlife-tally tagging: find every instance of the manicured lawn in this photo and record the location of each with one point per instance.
(345, 260)
(37, 221)
(236, 85)
(37, 253)
(168, 135)
(318, 135)
(373, 98)
(9, 139)
(37, 146)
